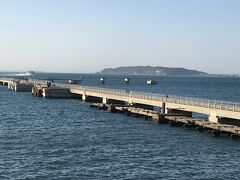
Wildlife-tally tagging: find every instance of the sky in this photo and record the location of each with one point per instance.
(85, 36)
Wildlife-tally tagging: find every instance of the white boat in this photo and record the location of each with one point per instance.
(151, 82)
(28, 73)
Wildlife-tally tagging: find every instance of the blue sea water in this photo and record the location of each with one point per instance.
(66, 139)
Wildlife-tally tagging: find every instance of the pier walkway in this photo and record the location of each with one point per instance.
(217, 111)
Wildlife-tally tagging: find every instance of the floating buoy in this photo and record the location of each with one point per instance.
(102, 80)
(126, 80)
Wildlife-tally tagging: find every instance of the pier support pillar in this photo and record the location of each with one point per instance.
(104, 100)
(84, 97)
(129, 103)
(159, 118)
(213, 117)
(163, 108)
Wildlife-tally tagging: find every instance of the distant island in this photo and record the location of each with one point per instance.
(149, 70)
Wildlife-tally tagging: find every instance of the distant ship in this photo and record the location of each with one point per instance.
(29, 73)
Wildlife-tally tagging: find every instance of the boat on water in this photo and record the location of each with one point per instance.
(30, 73)
(151, 82)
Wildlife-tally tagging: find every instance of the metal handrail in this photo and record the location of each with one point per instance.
(212, 104)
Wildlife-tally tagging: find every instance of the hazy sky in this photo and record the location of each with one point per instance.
(88, 35)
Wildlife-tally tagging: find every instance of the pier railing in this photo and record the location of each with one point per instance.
(211, 104)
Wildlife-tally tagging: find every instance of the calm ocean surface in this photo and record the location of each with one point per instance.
(66, 139)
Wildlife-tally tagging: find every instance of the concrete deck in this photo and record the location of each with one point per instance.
(215, 110)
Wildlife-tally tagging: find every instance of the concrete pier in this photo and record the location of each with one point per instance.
(55, 92)
(214, 110)
(142, 104)
(217, 111)
(43, 90)
(20, 87)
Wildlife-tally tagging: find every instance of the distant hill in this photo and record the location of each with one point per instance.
(149, 70)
